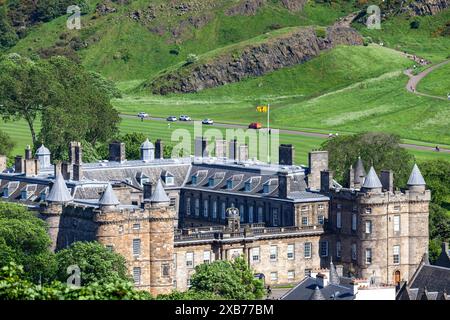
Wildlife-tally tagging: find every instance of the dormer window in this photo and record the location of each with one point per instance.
(168, 178)
(5, 192)
(144, 180)
(248, 186)
(23, 195)
(169, 181)
(230, 184)
(194, 179)
(211, 182)
(266, 188)
(43, 196)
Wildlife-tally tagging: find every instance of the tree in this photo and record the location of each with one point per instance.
(108, 86)
(133, 142)
(228, 279)
(382, 150)
(25, 90)
(81, 112)
(439, 228)
(25, 241)
(6, 144)
(189, 295)
(8, 36)
(96, 263)
(437, 176)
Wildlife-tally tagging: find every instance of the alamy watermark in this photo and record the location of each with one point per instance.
(374, 19)
(74, 279)
(74, 21)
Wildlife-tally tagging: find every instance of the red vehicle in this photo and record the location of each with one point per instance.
(255, 125)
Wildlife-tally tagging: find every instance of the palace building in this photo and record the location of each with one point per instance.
(165, 216)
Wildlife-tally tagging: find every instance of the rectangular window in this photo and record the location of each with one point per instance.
(222, 210)
(189, 259)
(273, 253)
(338, 220)
(290, 251)
(255, 254)
(274, 276)
(188, 206)
(320, 219)
(304, 209)
(260, 214)
(308, 272)
(206, 256)
(110, 247)
(136, 247)
(338, 249)
(175, 261)
(188, 282)
(354, 221)
(250, 214)
(165, 270)
(353, 251)
(368, 226)
(173, 201)
(304, 221)
(368, 210)
(291, 275)
(368, 256)
(241, 212)
(136, 226)
(137, 275)
(339, 206)
(396, 223)
(396, 254)
(320, 207)
(396, 208)
(308, 249)
(214, 213)
(197, 207)
(205, 208)
(275, 217)
(324, 248)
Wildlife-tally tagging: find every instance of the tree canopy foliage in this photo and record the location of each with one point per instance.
(382, 150)
(96, 263)
(6, 144)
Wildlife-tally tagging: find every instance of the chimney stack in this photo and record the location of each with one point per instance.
(286, 154)
(28, 153)
(387, 180)
(322, 280)
(159, 149)
(117, 152)
(284, 185)
(65, 170)
(318, 161)
(326, 179)
(221, 148)
(78, 162)
(243, 152)
(351, 177)
(200, 148)
(18, 164)
(233, 149)
(57, 168)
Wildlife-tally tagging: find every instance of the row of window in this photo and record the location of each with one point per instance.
(395, 255)
(368, 223)
(137, 271)
(290, 252)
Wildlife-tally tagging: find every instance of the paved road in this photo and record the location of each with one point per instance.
(292, 132)
(415, 79)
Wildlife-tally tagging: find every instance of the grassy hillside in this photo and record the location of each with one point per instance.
(437, 82)
(123, 49)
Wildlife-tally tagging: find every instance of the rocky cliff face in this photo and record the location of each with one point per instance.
(256, 60)
(427, 7)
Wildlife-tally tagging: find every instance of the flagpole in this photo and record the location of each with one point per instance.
(268, 133)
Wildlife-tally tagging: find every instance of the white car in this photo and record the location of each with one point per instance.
(142, 115)
(172, 118)
(185, 118)
(207, 121)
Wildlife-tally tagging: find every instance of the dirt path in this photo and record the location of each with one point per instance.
(415, 79)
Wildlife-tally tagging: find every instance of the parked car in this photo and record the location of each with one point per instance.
(207, 121)
(143, 115)
(185, 118)
(255, 125)
(172, 118)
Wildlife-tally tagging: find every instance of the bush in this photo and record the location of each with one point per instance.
(321, 33)
(415, 24)
(191, 58)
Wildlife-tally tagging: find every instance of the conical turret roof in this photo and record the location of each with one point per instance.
(317, 295)
(359, 170)
(159, 195)
(59, 191)
(416, 178)
(109, 198)
(42, 151)
(334, 277)
(372, 181)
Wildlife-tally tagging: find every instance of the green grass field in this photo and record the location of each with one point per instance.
(437, 82)
(159, 130)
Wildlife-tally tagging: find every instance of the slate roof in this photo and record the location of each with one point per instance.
(109, 198)
(307, 287)
(433, 278)
(159, 195)
(372, 181)
(59, 191)
(416, 178)
(444, 258)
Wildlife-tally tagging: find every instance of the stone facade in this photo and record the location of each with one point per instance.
(3, 160)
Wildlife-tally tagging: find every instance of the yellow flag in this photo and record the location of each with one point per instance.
(262, 108)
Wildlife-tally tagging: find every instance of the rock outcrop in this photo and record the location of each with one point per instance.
(245, 7)
(294, 5)
(427, 7)
(294, 48)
